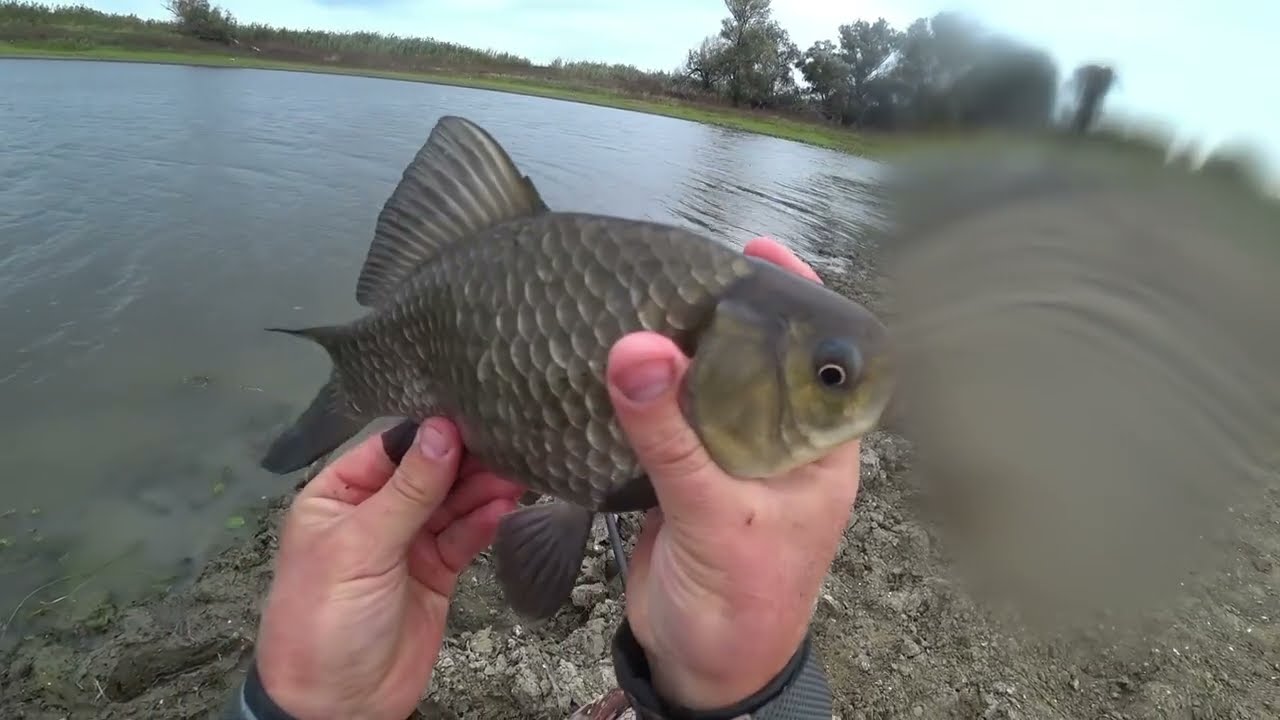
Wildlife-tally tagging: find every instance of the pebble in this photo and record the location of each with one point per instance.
(909, 648)
(587, 596)
(1002, 688)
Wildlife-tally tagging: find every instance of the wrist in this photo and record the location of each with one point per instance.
(743, 678)
(724, 671)
(799, 679)
(257, 701)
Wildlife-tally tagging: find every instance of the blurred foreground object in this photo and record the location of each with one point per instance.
(1089, 348)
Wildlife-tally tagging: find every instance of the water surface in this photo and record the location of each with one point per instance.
(154, 218)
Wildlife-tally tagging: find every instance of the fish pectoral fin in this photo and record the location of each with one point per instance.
(460, 183)
(538, 554)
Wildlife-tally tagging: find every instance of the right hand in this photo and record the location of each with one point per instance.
(724, 577)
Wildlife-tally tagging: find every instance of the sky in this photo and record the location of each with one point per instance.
(1204, 70)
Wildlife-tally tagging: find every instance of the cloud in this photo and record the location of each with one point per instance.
(380, 4)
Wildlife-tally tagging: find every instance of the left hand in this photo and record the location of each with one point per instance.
(369, 557)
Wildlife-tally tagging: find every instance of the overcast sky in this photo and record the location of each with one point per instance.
(1208, 69)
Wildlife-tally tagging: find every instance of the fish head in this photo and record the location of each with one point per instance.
(783, 372)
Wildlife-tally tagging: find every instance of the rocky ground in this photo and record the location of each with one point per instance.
(899, 636)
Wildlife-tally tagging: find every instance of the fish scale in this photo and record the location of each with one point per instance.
(488, 308)
(521, 350)
(515, 329)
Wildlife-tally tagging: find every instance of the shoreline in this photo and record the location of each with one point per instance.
(808, 133)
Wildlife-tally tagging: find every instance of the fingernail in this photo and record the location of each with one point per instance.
(433, 441)
(646, 379)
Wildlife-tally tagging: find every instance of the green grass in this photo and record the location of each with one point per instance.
(810, 133)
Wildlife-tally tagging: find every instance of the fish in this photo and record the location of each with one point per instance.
(486, 306)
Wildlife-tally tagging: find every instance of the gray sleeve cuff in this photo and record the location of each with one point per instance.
(236, 708)
(799, 692)
(251, 702)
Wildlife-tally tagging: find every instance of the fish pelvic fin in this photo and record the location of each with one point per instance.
(460, 183)
(329, 421)
(538, 555)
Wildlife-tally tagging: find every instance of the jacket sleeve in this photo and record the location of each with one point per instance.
(251, 702)
(799, 692)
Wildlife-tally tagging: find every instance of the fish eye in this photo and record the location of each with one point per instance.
(836, 363)
(832, 375)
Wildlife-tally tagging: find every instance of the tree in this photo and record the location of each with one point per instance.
(864, 48)
(1008, 85)
(758, 53)
(945, 71)
(1092, 83)
(917, 76)
(201, 19)
(826, 72)
(949, 71)
(773, 76)
(707, 62)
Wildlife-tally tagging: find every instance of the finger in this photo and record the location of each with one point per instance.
(416, 488)
(472, 465)
(643, 374)
(471, 492)
(841, 471)
(770, 250)
(361, 471)
(642, 551)
(467, 494)
(637, 610)
(460, 542)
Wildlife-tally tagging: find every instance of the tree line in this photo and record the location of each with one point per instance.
(944, 71)
(941, 72)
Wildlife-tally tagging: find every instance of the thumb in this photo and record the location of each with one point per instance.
(644, 373)
(418, 486)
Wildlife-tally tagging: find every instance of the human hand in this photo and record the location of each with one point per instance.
(369, 557)
(724, 576)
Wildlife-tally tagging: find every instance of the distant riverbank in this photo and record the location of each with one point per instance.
(811, 133)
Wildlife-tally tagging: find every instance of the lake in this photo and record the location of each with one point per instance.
(154, 219)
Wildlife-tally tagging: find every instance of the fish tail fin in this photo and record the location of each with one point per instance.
(329, 421)
(538, 555)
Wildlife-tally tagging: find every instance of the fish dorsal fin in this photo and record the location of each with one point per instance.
(460, 183)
